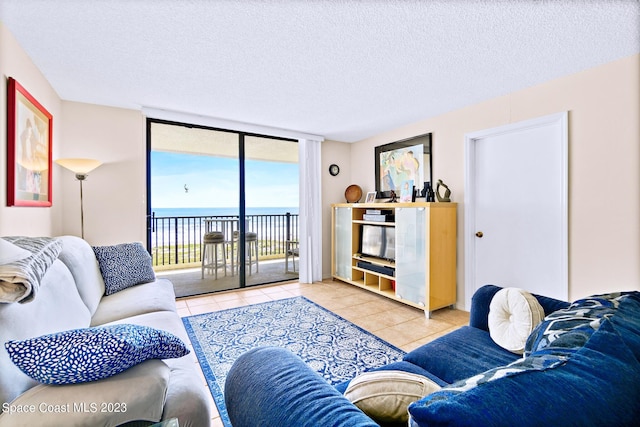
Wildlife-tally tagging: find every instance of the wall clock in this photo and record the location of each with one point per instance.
(334, 170)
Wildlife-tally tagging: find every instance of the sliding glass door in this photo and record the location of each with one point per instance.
(222, 207)
(271, 200)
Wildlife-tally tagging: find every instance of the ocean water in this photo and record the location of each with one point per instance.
(171, 212)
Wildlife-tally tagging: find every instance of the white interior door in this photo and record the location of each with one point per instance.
(516, 207)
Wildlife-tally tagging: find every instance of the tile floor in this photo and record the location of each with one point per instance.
(403, 326)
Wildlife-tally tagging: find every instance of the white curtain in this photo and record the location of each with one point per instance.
(310, 211)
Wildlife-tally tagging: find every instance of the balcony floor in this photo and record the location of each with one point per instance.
(189, 281)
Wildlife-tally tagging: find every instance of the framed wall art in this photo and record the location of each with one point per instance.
(402, 161)
(29, 133)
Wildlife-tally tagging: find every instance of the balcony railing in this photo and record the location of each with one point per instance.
(177, 240)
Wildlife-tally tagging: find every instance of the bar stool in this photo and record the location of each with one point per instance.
(214, 241)
(251, 249)
(292, 249)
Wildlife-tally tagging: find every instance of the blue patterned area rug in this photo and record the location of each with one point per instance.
(334, 347)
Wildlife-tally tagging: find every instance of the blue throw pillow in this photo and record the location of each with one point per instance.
(90, 354)
(123, 266)
(566, 330)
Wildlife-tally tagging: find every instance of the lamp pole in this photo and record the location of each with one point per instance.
(81, 168)
(81, 177)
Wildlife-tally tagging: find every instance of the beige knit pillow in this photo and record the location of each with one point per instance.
(385, 395)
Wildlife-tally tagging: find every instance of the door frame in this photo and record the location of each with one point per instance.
(470, 166)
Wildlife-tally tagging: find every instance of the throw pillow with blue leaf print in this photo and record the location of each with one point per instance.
(90, 354)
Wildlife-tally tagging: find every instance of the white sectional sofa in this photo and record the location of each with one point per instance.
(71, 296)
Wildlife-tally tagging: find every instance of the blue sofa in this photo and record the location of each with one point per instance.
(588, 376)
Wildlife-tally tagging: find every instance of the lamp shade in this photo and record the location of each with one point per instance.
(79, 166)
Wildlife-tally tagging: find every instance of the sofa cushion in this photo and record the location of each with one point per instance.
(124, 265)
(184, 400)
(10, 253)
(474, 351)
(140, 299)
(513, 315)
(598, 385)
(80, 259)
(136, 394)
(90, 354)
(385, 395)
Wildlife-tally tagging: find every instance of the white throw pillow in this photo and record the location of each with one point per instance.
(385, 395)
(513, 315)
(11, 253)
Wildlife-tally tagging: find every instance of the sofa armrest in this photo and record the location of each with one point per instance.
(270, 386)
(479, 313)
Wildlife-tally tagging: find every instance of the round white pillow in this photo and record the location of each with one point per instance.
(385, 395)
(513, 315)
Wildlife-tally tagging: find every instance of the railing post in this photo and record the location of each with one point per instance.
(288, 226)
(175, 222)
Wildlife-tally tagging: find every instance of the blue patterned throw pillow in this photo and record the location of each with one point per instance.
(90, 354)
(123, 266)
(565, 331)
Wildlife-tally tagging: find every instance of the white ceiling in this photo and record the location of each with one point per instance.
(344, 69)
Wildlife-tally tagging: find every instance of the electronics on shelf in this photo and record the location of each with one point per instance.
(379, 215)
(378, 241)
(388, 271)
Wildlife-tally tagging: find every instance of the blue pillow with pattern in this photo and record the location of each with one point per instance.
(90, 354)
(123, 266)
(567, 330)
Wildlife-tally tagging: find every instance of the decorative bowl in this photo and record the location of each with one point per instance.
(353, 193)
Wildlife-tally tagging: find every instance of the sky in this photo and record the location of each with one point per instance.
(214, 182)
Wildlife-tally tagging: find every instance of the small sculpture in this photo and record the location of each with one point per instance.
(447, 192)
(393, 197)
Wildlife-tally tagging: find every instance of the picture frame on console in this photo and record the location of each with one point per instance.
(371, 197)
(407, 191)
(29, 133)
(400, 161)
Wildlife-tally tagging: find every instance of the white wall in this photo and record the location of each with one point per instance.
(333, 188)
(604, 166)
(115, 192)
(28, 221)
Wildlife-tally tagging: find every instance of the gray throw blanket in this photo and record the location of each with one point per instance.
(20, 280)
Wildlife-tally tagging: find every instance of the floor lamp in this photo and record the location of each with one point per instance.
(81, 167)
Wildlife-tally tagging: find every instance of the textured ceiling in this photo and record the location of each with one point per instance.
(342, 69)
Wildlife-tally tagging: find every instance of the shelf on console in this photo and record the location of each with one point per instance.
(363, 221)
(374, 273)
(377, 261)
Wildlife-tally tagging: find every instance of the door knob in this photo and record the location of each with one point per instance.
(479, 234)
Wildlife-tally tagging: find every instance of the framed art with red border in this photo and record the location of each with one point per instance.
(29, 133)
